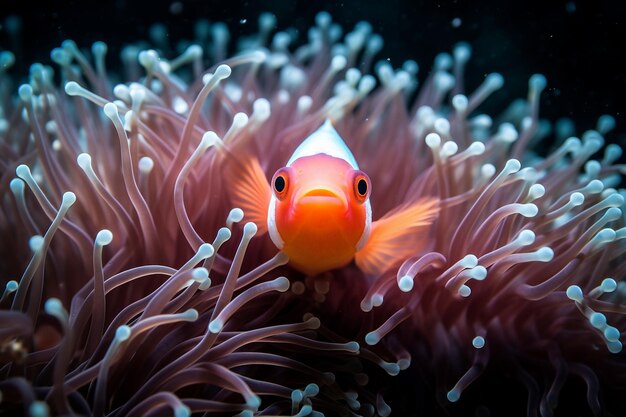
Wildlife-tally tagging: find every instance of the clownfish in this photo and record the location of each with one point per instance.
(317, 210)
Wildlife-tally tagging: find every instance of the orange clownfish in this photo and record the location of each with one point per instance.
(317, 210)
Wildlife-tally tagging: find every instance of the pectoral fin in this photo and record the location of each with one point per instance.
(396, 236)
(252, 193)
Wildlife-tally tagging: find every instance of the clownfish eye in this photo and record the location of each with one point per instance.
(280, 183)
(361, 187)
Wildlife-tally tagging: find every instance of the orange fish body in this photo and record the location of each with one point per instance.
(321, 217)
(317, 210)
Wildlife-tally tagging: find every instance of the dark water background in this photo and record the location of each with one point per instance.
(578, 45)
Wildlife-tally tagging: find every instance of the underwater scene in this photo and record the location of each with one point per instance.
(293, 208)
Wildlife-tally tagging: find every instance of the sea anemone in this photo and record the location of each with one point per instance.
(115, 303)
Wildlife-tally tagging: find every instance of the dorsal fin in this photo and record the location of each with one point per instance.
(324, 140)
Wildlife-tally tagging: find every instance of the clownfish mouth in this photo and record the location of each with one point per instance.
(320, 192)
(321, 196)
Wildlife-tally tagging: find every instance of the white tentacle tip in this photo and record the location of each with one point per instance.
(526, 237)
(209, 139)
(181, 410)
(433, 140)
(529, 210)
(54, 307)
(205, 250)
(38, 409)
(11, 286)
(23, 171)
(536, 191)
(104, 237)
(453, 395)
(494, 81)
(478, 342)
(608, 285)
(282, 284)
(575, 293)
(537, 82)
(235, 215)
(84, 160)
(512, 166)
(69, 198)
(35, 243)
(200, 274)
(545, 254)
(122, 333)
(111, 112)
(17, 186)
(250, 229)
(25, 92)
(372, 338)
(216, 326)
(72, 88)
(223, 71)
(405, 283)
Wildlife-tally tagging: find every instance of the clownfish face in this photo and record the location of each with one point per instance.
(319, 213)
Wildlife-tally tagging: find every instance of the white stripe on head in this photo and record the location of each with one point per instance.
(324, 140)
(368, 226)
(271, 224)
